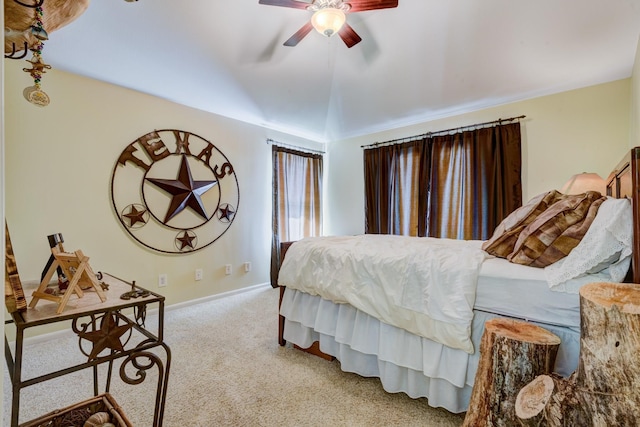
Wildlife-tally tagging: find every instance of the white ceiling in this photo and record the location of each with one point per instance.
(423, 60)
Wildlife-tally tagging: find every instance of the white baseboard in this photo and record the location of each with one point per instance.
(216, 296)
(37, 339)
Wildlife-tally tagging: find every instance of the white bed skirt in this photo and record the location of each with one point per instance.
(404, 362)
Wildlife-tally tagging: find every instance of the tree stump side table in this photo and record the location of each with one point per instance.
(603, 391)
(512, 354)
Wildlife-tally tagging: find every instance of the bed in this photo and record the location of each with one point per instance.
(315, 314)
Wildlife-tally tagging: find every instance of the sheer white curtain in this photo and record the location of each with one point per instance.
(297, 199)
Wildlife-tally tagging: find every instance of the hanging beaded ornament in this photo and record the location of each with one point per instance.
(34, 94)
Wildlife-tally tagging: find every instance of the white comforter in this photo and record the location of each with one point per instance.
(424, 285)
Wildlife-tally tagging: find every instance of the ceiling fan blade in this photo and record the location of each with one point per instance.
(285, 3)
(362, 5)
(299, 35)
(349, 36)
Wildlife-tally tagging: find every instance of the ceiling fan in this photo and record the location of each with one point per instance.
(329, 16)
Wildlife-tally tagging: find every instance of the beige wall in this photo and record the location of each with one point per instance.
(59, 161)
(562, 134)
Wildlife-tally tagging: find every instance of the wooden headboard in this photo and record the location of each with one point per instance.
(624, 181)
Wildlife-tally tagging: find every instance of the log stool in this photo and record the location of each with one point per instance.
(603, 391)
(512, 354)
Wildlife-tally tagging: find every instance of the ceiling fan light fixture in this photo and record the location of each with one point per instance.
(328, 21)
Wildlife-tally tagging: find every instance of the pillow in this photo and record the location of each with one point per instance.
(557, 230)
(604, 249)
(506, 234)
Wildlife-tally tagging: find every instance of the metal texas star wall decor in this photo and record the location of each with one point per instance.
(174, 191)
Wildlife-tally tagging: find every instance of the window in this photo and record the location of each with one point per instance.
(297, 199)
(456, 186)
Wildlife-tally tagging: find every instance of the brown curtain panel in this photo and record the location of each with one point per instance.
(453, 186)
(395, 177)
(475, 181)
(297, 200)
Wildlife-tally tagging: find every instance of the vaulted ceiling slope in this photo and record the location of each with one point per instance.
(423, 60)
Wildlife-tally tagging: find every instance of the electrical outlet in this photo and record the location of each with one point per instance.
(198, 274)
(247, 267)
(163, 280)
(227, 269)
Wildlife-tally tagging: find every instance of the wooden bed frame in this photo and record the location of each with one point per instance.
(623, 182)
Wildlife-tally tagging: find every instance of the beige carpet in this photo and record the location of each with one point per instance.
(228, 370)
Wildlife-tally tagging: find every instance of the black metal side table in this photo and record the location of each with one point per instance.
(106, 333)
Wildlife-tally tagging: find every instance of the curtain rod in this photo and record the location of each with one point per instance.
(294, 147)
(454, 130)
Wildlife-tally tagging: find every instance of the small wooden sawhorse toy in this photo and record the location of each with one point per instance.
(76, 268)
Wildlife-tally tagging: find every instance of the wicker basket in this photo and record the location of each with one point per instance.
(77, 414)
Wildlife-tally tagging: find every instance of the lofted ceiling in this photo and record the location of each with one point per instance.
(423, 60)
